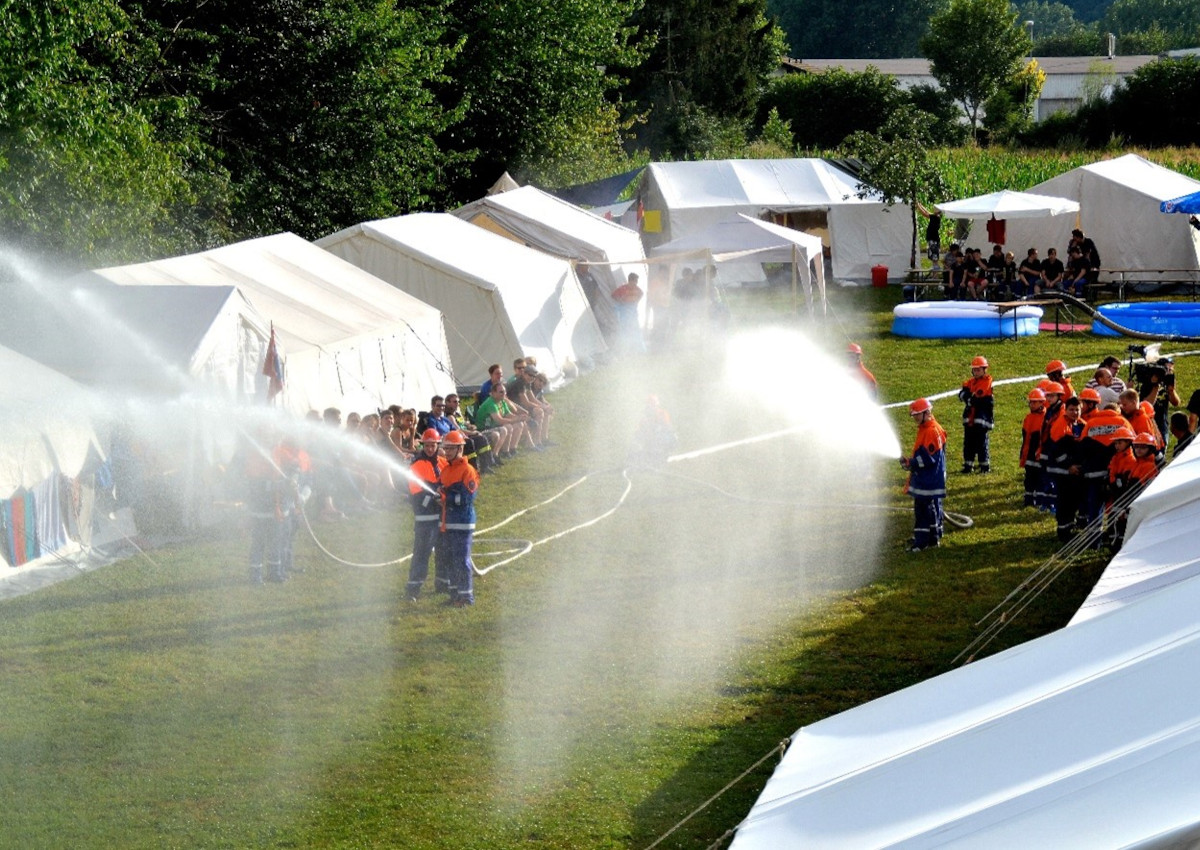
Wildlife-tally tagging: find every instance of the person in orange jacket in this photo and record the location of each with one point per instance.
(1096, 445)
(1065, 467)
(978, 417)
(1054, 408)
(1031, 441)
(854, 354)
(1140, 416)
(926, 476)
(460, 482)
(1056, 371)
(1133, 467)
(425, 476)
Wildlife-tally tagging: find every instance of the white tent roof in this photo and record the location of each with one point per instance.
(692, 196)
(351, 341)
(501, 300)
(1160, 546)
(45, 424)
(559, 228)
(1119, 209)
(163, 339)
(1008, 205)
(1086, 737)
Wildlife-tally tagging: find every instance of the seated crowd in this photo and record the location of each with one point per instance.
(966, 275)
(502, 419)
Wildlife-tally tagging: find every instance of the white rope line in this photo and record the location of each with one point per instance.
(345, 563)
(572, 529)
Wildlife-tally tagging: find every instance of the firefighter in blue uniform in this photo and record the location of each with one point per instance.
(926, 476)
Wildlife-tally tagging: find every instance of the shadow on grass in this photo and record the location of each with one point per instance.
(900, 643)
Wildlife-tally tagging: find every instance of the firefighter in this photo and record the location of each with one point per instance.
(1056, 371)
(1031, 441)
(460, 482)
(978, 417)
(926, 476)
(425, 478)
(854, 354)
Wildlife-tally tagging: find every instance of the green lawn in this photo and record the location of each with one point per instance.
(604, 685)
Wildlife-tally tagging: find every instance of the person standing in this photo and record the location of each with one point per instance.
(423, 495)
(1031, 441)
(460, 482)
(926, 476)
(978, 417)
(854, 354)
(625, 300)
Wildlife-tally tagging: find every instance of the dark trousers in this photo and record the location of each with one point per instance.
(977, 445)
(427, 540)
(927, 521)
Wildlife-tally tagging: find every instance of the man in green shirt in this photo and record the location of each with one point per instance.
(496, 411)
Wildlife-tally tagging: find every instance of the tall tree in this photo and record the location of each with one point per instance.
(896, 164)
(711, 54)
(865, 29)
(323, 110)
(541, 91)
(974, 47)
(83, 172)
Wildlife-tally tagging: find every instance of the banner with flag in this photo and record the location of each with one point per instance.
(273, 368)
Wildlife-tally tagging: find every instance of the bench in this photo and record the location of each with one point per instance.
(1119, 280)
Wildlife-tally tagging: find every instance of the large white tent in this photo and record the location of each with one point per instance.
(1086, 737)
(501, 300)
(532, 217)
(351, 340)
(812, 195)
(160, 340)
(744, 240)
(46, 434)
(1119, 203)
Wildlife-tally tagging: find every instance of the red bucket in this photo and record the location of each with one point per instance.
(879, 275)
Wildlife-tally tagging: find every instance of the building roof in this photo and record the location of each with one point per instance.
(919, 67)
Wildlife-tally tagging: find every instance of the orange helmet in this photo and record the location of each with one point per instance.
(979, 363)
(1055, 366)
(1123, 433)
(454, 438)
(431, 435)
(921, 405)
(1053, 387)
(1089, 394)
(1036, 395)
(854, 348)
(1145, 439)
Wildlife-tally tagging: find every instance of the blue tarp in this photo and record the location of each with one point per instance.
(1188, 204)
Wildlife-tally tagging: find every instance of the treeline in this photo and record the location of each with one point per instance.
(138, 128)
(890, 29)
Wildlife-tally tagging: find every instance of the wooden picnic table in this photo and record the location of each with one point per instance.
(1119, 279)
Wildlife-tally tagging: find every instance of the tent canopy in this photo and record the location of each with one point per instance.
(45, 424)
(681, 198)
(1008, 205)
(351, 341)
(1119, 201)
(532, 217)
(501, 299)
(742, 237)
(1086, 737)
(1189, 204)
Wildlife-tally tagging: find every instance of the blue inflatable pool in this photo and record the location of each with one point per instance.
(1157, 317)
(963, 320)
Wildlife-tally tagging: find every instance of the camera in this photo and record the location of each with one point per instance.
(1139, 350)
(1148, 374)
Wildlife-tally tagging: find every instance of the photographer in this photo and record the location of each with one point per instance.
(1156, 385)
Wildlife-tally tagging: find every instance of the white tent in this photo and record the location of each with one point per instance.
(1160, 546)
(1086, 737)
(532, 217)
(742, 239)
(351, 341)
(153, 340)
(1006, 204)
(1119, 209)
(501, 300)
(812, 195)
(46, 432)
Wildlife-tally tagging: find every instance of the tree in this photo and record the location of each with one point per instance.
(711, 54)
(84, 174)
(973, 47)
(824, 109)
(541, 88)
(1009, 112)
(896, 164)
(1159, 104)
(323, 111)
(865, 29)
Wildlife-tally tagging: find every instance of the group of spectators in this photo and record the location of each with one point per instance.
(966, 275)
(1084, 453)
(376, 460)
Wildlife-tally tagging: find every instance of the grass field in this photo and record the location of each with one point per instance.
(604, 686)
